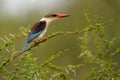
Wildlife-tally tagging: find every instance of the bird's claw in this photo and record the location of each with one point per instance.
(43, 39)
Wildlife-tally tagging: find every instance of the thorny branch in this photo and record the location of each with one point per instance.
(51, 36)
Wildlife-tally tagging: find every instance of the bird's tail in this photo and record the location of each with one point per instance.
(26, 47)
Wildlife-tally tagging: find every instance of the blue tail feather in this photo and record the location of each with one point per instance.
(26, 47)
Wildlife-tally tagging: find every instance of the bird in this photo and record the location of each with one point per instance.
(39, 29)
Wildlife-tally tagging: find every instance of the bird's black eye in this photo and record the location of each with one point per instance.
(54, 15)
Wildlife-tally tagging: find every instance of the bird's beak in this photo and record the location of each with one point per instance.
(62, 15)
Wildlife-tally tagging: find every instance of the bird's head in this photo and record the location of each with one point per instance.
(53, 16)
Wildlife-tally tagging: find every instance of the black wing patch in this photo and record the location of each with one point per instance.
(38, 27)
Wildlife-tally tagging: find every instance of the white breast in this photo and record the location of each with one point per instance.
(43, 33)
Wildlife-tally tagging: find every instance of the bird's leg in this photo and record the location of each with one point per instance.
(35, 42)
(43, 39)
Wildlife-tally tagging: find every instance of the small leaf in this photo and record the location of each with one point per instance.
(12, 35)
(3, 40)
(6, 38)
(7, 50)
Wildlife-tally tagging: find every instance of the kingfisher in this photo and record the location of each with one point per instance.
(39, 29)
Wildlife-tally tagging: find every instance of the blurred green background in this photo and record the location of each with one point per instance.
(21, 13)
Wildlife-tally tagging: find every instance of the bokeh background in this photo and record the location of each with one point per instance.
(21, 13)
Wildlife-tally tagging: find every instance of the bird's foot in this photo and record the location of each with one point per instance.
(43, 39)
(35, 42)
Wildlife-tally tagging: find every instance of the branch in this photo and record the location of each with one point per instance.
(52, 36)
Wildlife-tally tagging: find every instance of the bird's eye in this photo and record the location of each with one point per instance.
(54, 15)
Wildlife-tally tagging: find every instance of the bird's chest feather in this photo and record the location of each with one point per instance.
(42, 34)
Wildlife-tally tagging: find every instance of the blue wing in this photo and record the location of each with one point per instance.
(33, 36)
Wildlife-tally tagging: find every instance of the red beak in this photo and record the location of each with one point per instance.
(62, 15)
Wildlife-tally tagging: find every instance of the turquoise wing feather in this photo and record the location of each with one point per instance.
(33, 36)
